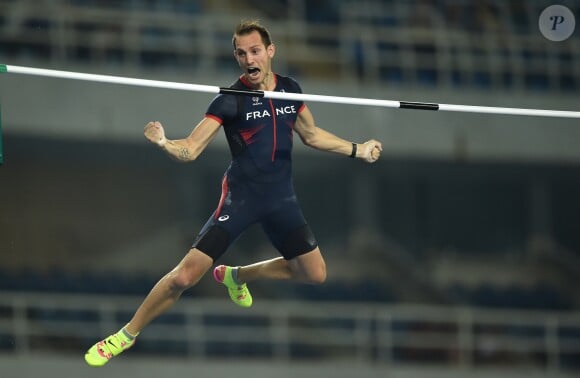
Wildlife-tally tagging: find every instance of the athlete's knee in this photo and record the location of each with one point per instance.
(309, 267)
(189, 271)
(181, 279)
(316, 274)
(320, 276)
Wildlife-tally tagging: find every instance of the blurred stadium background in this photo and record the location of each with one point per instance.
(458, 254)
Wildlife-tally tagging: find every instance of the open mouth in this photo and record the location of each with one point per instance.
(253, 72)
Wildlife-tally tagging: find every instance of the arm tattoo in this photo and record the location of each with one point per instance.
(184, 154)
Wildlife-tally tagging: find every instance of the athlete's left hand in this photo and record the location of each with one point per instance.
(371, 151)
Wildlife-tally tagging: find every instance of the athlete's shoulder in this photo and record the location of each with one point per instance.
(225, 106)
(222, 100)
(226, 98)
(289, 84)
(238, 84)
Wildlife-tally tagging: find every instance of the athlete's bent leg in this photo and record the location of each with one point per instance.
(308, 268)
(169, 288)
(163, 295)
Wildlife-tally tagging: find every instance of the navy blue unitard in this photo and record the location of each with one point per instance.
(257, 186)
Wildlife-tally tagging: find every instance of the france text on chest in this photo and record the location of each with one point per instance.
(266, 113)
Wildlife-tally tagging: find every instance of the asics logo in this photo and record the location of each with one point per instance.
(224, 218)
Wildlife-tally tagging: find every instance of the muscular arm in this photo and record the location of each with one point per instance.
(315, 137)
(186, 149)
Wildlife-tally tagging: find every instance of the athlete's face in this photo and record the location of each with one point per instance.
(255, 60)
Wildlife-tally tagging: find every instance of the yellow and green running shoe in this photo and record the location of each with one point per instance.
(100, 353)
(239, 293)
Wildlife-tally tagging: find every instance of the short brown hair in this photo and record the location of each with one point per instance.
(247, 27)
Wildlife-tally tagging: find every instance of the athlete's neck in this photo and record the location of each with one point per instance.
(269, 83)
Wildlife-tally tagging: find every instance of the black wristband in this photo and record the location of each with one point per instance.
(353, 153)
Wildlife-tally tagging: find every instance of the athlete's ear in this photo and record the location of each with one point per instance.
(271, 50)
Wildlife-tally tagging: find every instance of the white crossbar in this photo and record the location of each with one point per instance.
(286, 95)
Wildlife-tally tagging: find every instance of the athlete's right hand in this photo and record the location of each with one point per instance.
(154, 133)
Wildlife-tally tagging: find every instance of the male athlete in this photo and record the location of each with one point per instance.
(256, 188)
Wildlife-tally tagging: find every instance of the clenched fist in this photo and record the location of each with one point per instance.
(155, 133)
(371, 150)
